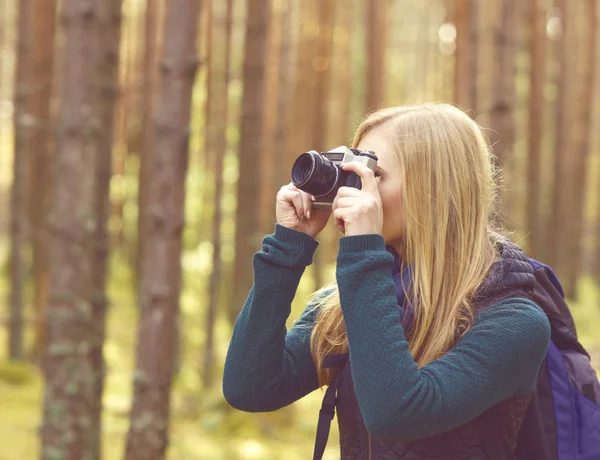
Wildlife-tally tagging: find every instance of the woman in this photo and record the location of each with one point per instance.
(430, 335)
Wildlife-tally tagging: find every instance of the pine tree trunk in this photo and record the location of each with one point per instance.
(109, 16)
(537, 73)
(161, 275)
(69, 358)
(556, 226)
(247, 233)
(148, 90)
(218, 141)
(23, 124)
(465, 55)
(43, 25)
(581, 143)
(376, 38)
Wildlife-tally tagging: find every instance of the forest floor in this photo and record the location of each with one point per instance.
(202, 425)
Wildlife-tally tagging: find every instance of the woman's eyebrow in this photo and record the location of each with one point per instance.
(380, 169)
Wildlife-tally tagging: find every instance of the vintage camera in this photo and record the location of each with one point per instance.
(320, 174)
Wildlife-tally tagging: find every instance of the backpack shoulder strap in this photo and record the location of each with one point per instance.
(327, 411)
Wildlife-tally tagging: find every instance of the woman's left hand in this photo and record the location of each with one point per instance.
(358, 212)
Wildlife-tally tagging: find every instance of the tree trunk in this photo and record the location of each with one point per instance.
(503, 91)
(161, 275)
(23, 124)
(218, 142)
(556, 228)
(537, 73)
(247, 233)
(320, 118)
(376, 38)
(109, 16)
(581, 143)
(44, 25)
(465, 55)
(69, 358)
(148, 90)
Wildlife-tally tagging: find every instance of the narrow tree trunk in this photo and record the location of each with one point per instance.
(283, 93)
(22, 150)
(320, 118)
(148, 88)
(556, 227)
(217, 141)
(464, 80)
(161, 275)
(535, 229)
(109, 16)
(69, 358)
(582, 144)
(44, 25)
(376, 37)
(247, 233)
(503, 91)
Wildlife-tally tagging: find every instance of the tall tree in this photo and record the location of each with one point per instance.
(22, 147)
(320, 118)
(556, 229)
(44, 25)
(537, 46)
(109, 36)
(69, 357)
(502, 110)
(148, 90)
(247, 233)
(161, 270)
(376, 35)
(581, 140)
(466, 55)
(218, 142)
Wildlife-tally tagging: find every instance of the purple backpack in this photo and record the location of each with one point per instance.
(563, 418)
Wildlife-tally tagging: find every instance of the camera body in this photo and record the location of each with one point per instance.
(320, 174)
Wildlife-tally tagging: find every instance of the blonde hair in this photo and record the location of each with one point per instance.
(448, 199)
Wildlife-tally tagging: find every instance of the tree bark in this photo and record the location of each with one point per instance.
(40, 157)
(148, 90)
(23, 124)
(376, 37)
(503, 103)
(109, 17)
(465, 55)
(581, 144)
(161, 276)
(537, 75)
(218, 142)
(69, 358)
(556, 234)
(247, 233)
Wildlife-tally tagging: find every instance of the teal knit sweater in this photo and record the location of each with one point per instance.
(268, 367)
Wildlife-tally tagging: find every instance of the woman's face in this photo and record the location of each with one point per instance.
(388, 175)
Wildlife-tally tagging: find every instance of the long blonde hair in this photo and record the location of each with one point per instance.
(448, 198)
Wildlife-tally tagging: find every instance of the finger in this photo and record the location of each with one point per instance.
(347, 191)
(307, 203)
(295, 198)
(343, 202)
(339, 217)
(367, 176)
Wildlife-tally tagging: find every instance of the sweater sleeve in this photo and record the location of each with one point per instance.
(267, 367)
(498, 358)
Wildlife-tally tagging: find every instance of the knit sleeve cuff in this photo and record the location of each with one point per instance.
(361, 243)
(297, 240)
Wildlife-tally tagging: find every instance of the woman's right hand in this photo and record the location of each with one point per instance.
(294, 210)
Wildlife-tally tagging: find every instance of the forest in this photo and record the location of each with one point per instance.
(142, 144)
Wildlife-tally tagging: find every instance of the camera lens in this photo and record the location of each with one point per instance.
(314, 174)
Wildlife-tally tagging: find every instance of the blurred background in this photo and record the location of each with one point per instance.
(142, 143)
